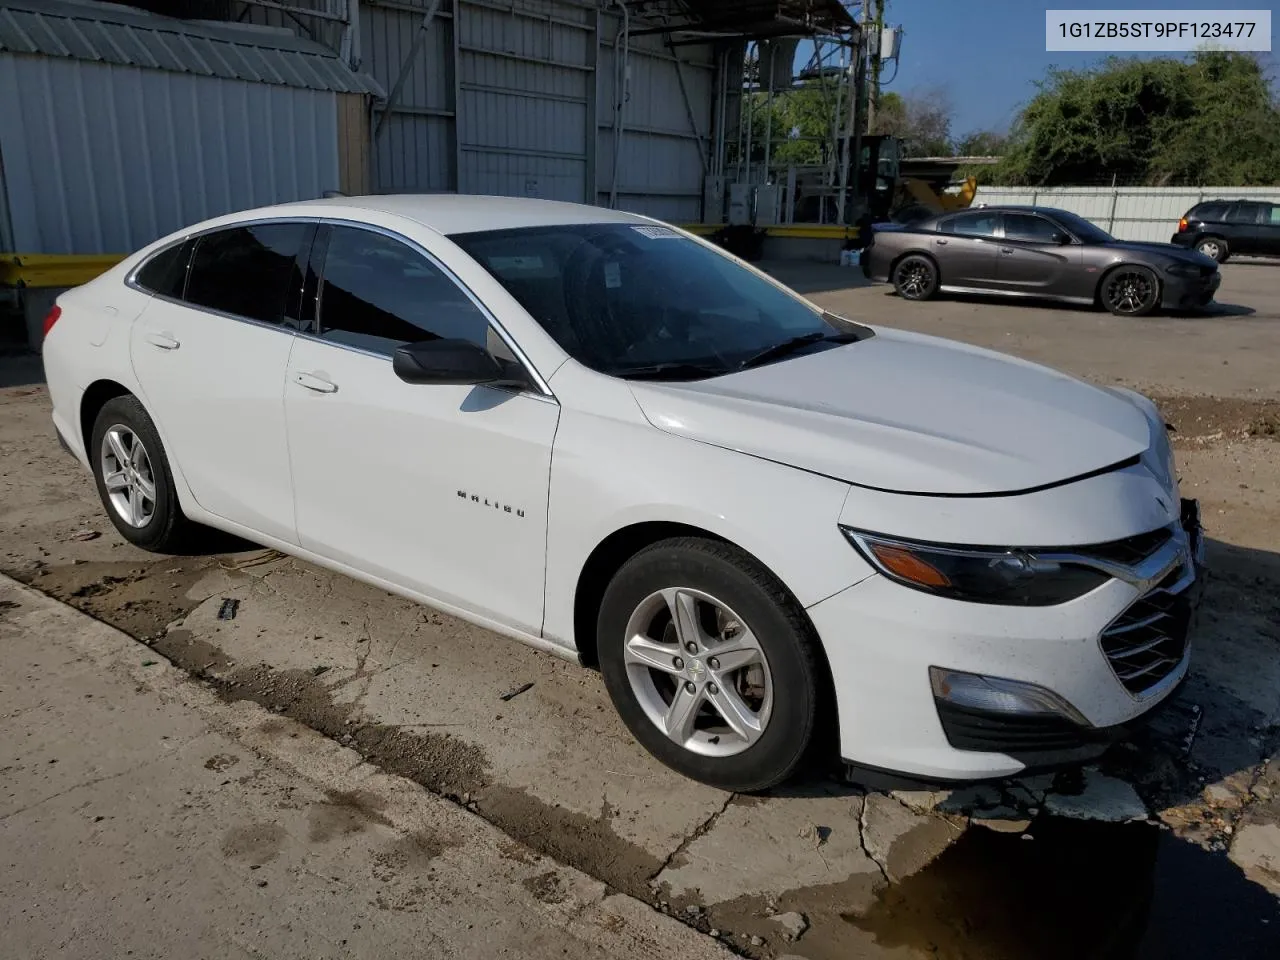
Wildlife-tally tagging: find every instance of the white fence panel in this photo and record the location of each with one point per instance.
(1128, 213)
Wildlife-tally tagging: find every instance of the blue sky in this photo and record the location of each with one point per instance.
(987, 53)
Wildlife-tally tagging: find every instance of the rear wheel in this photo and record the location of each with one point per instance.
(134, 480)
(710, 663)
(1214, 247)
(1130, 291)
(915, 277)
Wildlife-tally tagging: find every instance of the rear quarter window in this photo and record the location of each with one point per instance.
(166, 272)
(1209, 211)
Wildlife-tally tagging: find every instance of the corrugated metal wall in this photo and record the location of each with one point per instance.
(104, 159)
(1127, 213)
(515, 97)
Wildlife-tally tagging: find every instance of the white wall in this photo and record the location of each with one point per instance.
(1127, 213)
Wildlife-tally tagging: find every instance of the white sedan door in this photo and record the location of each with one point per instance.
(210, 355)
(441, 489)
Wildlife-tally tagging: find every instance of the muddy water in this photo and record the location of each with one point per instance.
(1075, 890)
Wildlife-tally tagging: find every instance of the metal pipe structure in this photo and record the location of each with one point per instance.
(406, 68)
(750, 115)
(768, 112)
(620, 70)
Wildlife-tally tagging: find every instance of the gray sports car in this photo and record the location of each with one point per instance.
(1036, 252)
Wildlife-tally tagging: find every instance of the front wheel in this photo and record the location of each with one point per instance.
(1130, 291)
(710, 663)
(915, 278)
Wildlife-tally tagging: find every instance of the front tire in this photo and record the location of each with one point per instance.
(710, 663)
(1130, 291)
(915, 277)
(133, 478)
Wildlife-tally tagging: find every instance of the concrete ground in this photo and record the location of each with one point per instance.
(142, 815)
(532, 746)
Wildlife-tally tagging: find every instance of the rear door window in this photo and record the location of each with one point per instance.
(976, 224)
(1246, 213)
(251, 271)
(1273, 215)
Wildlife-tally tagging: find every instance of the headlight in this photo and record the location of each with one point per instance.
(1011, 577)
(1162, 462)
(1180, 269)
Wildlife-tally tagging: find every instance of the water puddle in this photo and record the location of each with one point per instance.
(1077, 891)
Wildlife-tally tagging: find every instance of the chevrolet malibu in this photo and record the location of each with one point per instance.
(772, 528)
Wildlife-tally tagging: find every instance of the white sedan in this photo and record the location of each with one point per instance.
(776, 531)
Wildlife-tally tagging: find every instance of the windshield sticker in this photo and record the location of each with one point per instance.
(612, 275)
(655, 232)
(516, 263)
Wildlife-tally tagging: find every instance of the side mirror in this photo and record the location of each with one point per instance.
(1062, 239)
(452, 362)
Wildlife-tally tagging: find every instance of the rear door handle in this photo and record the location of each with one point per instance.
(312, 382)
(163, 340)
(1006, 250)
(941, 243)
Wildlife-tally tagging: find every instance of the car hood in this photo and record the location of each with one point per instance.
(1164, 249)
(908, 413)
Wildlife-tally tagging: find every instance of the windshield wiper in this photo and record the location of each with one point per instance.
(669, 371)
(795, 343)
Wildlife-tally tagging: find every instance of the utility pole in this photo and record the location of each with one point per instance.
(873, 94)
(857, 113)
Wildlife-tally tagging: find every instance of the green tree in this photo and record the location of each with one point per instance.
(1210, 120)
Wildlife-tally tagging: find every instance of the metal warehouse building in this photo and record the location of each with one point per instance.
(120, 123)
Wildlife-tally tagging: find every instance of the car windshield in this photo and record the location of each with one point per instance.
(1084, 230)
(643, 300)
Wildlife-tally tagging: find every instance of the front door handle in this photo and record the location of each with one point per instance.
(1006, 250)
(941, 243)
(163, 340)
(312, 382)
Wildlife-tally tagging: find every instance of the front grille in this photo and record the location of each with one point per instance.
(1147, 642)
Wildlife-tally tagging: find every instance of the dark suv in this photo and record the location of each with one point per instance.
(1219, 228)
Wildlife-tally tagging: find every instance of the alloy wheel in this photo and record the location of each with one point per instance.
(128, 476)
(1130, 291)
(915, 280)
(698, 672)
(1210, 248)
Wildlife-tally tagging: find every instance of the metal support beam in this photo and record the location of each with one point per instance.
(405, 68)
(693, 122)
(293, 8)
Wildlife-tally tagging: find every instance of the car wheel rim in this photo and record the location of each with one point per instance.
(128, 476)
(1130, 291)
(914, 279)
(1209, 249)
(698, 672)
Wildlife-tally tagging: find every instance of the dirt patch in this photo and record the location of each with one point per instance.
(1199, 420)
(220, 762)
(588, 843)
(547, 887)
(141, 599)
(255, 843)
(411, 854)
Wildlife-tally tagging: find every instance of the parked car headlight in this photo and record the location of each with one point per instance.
(1012, 577)
(1162, 462)
(1180, 269)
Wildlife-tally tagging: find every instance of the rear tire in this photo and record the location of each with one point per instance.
(1214, 247)
(752, 659)
(134, 481)
(915, 277)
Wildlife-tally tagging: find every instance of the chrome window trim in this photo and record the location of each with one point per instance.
(543, 391)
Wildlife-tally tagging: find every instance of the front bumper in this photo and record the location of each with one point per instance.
(881, 640)
(1183, 292)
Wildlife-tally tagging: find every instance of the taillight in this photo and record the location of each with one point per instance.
(1182, 225)
(51, 318)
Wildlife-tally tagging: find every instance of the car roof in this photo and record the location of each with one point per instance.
(451, 213)
(1007, 208)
